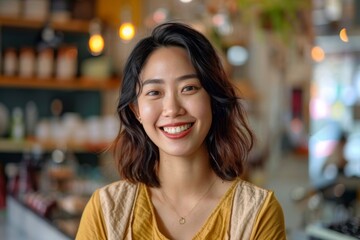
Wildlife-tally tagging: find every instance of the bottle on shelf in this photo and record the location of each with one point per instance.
(10, 62)
(10, 8)
(45, 63)
(18, 126)
(26, 62)
(31, 118)
(66, 62)
(36, 9)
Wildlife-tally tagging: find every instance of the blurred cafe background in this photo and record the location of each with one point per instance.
(296, 63)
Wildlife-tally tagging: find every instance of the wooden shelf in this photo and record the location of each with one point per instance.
(84, 84)
(73, 25)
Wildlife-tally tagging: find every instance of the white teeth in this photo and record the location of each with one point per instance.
(178, 129)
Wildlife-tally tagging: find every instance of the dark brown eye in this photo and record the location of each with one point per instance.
(152, 93)
(190, 88)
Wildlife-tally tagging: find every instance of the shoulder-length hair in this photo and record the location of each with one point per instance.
(229, 139)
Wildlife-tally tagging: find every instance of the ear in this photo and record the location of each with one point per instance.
(135, 109)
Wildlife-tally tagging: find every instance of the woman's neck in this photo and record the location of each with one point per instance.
(185, 175)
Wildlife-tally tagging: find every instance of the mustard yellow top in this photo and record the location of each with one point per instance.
(144, 224)
(124, 211)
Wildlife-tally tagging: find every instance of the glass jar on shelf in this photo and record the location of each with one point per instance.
(10, 65)
(45, 63)
(26, 62)
(66, 62)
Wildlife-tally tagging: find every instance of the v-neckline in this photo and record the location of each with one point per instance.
(218, 206)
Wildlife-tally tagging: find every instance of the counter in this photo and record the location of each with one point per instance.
(19, 222)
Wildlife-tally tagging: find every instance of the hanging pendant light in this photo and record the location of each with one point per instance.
(96, 40)
(127, 31)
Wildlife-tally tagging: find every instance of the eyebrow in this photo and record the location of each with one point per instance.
(160, 81)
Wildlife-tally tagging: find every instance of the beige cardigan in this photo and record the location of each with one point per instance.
(248, 200)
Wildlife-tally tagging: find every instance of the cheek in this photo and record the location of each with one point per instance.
(147, 111)
(203, 110)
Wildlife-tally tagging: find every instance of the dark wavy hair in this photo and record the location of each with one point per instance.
(229, 139)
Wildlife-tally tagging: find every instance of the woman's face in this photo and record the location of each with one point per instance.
(174, 108)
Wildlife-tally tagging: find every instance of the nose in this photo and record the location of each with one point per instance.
(172, 106)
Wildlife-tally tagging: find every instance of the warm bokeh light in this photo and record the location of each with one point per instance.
(127, 31)
(96, 44)
(317, 54)
(343, 35)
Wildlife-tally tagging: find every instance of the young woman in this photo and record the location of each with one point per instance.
(180, 151)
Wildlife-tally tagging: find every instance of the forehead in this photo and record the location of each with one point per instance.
(167, 62)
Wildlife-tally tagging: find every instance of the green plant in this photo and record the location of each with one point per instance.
(280, 16)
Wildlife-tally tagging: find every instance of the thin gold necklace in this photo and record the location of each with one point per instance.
(182, 219)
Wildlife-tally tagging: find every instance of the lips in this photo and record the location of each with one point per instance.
(177, 131)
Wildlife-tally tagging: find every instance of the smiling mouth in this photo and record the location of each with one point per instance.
(177, 129)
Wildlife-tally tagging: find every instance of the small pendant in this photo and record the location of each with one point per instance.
(182, 221)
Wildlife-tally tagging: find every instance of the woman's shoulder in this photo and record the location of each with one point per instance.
(248, 202)
(119, 184)
(250, 191)
(116, 200)
(118, 188)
